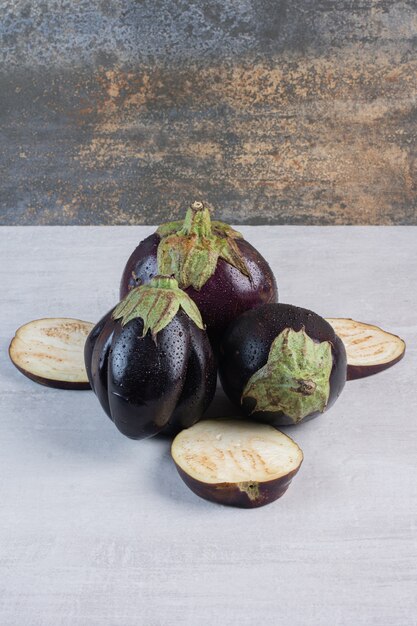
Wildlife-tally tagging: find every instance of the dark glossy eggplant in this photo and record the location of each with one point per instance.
(150, 362)
(369, 349)
(219, 270)
(282, 364)
(236, 462)
(50, 351)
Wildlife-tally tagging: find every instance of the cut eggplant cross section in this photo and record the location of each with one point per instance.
(50, 351)
(235, 462)
(369, 348)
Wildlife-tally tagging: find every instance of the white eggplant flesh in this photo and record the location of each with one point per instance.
(236, 462)
(50, 351)
(369, 349)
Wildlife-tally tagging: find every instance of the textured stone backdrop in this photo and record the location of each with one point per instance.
(122, 111)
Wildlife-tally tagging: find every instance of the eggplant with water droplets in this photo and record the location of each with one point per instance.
(50, 351)
(219, 270)
(235, 462)
(150, 362)
(282, 364)
(369, 349)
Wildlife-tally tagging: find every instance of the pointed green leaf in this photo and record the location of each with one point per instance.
(169, 228)
(161, 313)
(190, 308)
(198, 264)
(168, 257)
(229, 251)
(225, 230)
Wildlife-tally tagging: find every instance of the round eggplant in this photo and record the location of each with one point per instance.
(282, 364)
(50, 352)
(218, 269)
(234, 462)
(369, 349)
(150, 363)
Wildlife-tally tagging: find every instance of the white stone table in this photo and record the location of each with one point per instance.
(98, 530)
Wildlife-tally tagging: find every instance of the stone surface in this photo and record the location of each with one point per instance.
(119, 112)
(97, 529)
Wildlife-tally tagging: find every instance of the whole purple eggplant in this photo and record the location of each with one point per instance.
(150, 363)
(282, 364)
(218, 269)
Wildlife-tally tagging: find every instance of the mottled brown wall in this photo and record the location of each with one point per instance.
(119, 112)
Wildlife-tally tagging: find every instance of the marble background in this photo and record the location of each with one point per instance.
(123, 111)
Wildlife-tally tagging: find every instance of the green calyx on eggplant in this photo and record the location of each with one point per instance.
(282, 364)
(236, 462)
(295, 378)
(192, 251)
(150, 363)
(157, 304)
(220, 271)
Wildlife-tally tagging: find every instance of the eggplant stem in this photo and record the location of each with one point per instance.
(197, 221)
(305, 387)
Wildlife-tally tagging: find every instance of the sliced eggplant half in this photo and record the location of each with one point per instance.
(50, 351)
(369, 349)
(235, 462)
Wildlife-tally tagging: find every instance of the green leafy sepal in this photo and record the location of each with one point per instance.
(295, 379)
(190, 249)
(156, 303)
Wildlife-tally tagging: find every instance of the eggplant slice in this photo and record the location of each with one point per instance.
(369, 349)
(50, 351)
(235, 462)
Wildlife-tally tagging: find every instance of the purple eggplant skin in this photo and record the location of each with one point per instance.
(363, 371)
(141, 266)
(96, 350)
(149, 386)
(229, 494)
(50, 382)
(225, 295)
(245, 346)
